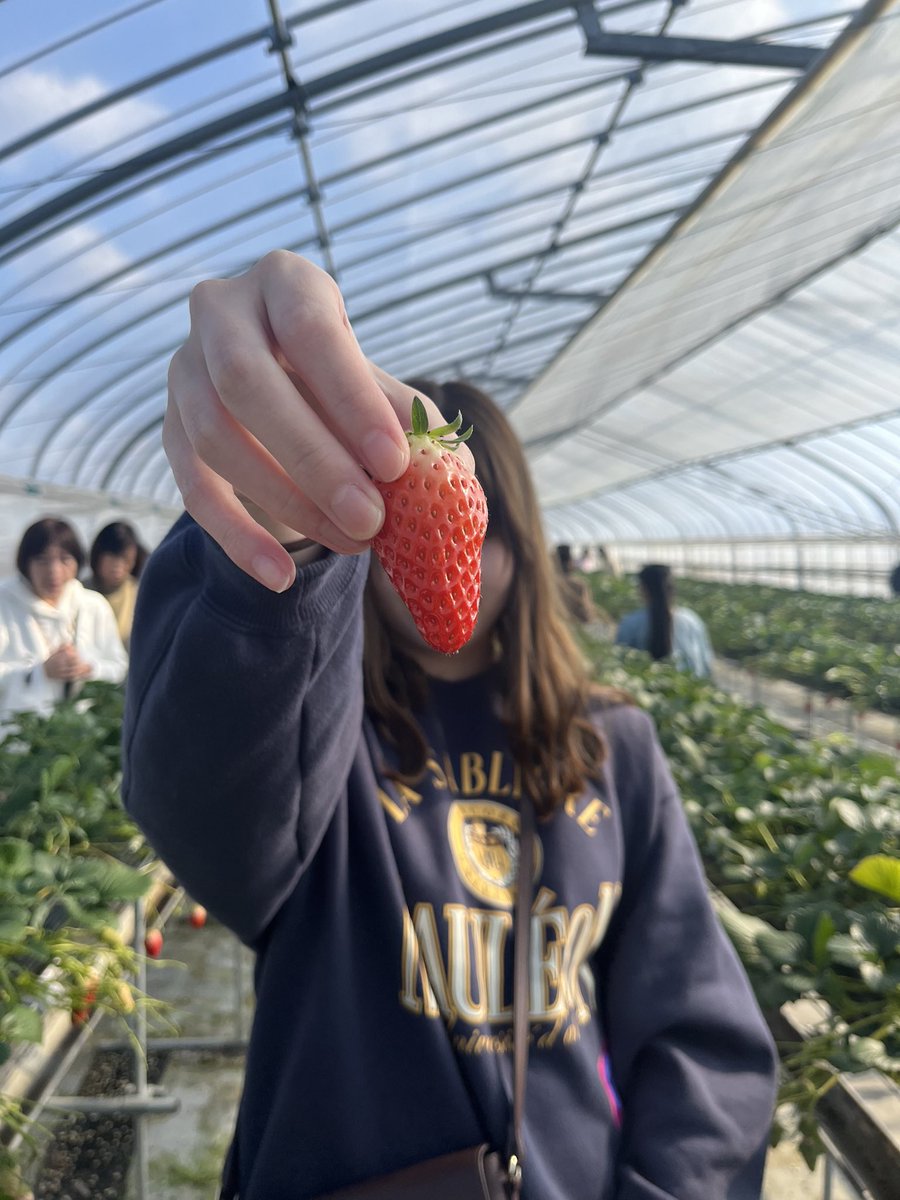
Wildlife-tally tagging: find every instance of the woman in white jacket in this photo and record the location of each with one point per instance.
(54, 633)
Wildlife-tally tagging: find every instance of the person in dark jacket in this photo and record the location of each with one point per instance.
(348, 803)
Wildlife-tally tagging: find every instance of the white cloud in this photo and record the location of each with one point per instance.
(83, 254)
(31, 98)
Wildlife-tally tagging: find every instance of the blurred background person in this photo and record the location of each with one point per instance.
(117, 558)
(895, 580)
(573, 587)
(54, 632)
(664, 630)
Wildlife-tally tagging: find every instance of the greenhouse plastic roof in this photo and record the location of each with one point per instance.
(661, 234)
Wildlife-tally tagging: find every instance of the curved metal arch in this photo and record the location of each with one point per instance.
(164, 480)
(358, 319)
(692, 517)
(350, 223)
(157, 254)
(281, 126)
(794, 508)
(48, 268)
(96, 394)
(641, 160)
(292, 98)
(361, 168)
(130, 447)
(832, 485)
(852, 479)
(626, 517)
(153, 393)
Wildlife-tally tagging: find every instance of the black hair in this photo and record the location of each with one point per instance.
(656, 580)
(118, 538)
(49, 531)
(895, 580)
(564, 557)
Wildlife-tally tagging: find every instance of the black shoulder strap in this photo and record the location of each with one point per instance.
(522, 955)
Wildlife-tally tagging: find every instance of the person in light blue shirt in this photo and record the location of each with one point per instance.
(664, 630)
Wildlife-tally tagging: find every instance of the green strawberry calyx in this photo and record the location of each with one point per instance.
(445, 435)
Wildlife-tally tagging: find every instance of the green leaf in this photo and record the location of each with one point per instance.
(824, 931)
(780, 947)
(846, 950)
(849, 813)
(15, 858)
(879, 873)
(22, 1024)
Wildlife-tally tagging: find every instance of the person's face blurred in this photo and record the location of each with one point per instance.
(496, 580)
(49, 573)
(113, 569)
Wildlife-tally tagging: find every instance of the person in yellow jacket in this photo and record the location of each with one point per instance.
(54, 632)
(116, 561)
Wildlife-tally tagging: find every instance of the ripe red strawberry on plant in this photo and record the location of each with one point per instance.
(153, 942)
(434, 526)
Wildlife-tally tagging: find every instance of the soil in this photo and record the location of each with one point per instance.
(89, 1154)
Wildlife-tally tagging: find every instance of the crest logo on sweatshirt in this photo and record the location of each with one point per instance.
(484, 840)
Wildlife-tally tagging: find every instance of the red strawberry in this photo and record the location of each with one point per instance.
(84, 1005)
(153, 942)
(197, 916)
(434, 526)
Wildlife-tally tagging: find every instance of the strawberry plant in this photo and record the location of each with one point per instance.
(434, 527)
(69, 860)
(843, 645)
(804, 840)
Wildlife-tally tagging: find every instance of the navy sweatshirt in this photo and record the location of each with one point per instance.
(382, 915)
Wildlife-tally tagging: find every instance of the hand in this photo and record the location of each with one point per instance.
(66, 664)
(271, 399)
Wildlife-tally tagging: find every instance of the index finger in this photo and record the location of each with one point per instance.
(309, 323)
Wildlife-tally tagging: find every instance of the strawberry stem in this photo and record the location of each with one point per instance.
(443, 433)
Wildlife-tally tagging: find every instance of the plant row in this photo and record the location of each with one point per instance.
(804, 838)
(70, 860)
(843, 645)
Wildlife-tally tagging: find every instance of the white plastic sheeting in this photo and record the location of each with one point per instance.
(720, 391)
(479, 184)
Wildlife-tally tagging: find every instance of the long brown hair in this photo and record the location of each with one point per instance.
(544, 684)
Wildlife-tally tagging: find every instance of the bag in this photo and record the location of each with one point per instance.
(473, 1174)
(479, 1172)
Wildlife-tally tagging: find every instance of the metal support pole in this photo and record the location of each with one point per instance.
(141, 1147)
(828, 1181)
(282, 39)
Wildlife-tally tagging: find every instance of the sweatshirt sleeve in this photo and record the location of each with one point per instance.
(243, 713)
(691, 1056)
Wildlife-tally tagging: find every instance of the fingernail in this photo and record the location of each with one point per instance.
(385, 458)
(357, 514)
(272, 574)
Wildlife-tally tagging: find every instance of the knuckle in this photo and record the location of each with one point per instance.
(309, 317)
(306, 461)
(277, 261)
(233, 366)
(204, 294)
(204, 441)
